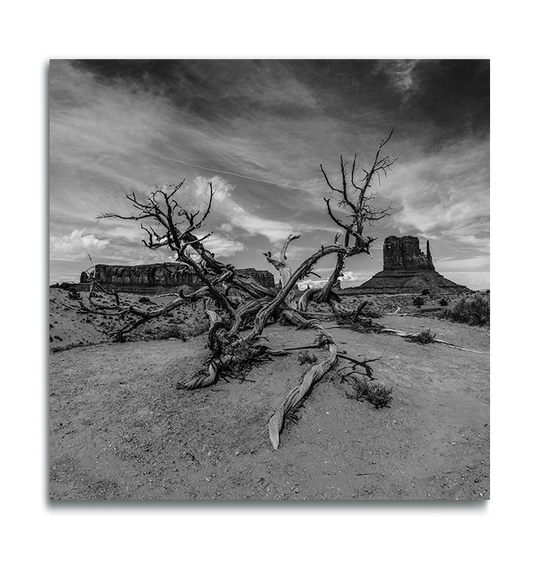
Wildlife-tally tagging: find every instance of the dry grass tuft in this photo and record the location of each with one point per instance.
(370, 391)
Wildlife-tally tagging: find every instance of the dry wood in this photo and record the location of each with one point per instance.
(297, 395)
(240, 298)
(403, 334)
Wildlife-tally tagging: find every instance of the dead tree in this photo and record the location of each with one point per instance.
(173, 226)
(355, 201)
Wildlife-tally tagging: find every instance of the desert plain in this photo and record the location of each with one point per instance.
(120, 429)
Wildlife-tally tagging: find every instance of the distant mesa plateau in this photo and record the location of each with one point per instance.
(158, 277)
(406, 269)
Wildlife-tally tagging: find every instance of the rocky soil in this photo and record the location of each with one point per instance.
(119, 428)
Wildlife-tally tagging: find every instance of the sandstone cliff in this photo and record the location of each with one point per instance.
(160, 275)
(406, 269)
(405, 253)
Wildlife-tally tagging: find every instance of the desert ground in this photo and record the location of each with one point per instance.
(119, 429)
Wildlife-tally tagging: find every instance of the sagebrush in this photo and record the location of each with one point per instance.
(371, 391)
(474, 310)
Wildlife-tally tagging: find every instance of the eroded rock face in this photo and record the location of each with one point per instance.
(405, 253)
(160, 275)
(407, 270)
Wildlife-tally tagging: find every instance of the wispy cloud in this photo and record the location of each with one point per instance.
(472, 279)
(444, 194)
(258, 130)
(239, 217)
(400, 75)
(460, 265)
(222, 246)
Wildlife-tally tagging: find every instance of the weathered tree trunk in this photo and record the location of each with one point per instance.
(176, 228)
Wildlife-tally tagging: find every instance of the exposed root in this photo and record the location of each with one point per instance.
(214, 368)
(297, 395)
(229, 357)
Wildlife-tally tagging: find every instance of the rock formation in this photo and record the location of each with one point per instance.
(159, 275)
(406, 269)
(405, 253)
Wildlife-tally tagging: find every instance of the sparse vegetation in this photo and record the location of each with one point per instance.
(425, 292)
(74, 294)
(370, 391)
(359, 324)
(371, 311)
(470, 309)
(306, 358)
(418, 301)
(424, 337)
(443, 302)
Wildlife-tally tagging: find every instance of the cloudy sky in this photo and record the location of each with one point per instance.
(259, 131)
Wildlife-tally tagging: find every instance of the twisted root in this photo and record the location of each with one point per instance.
(298, 394)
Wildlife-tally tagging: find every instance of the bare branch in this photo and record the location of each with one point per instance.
(176, 227)
(327, 180)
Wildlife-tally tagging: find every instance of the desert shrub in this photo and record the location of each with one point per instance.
(362, 324)
(443, 302)
(172, 332)
(144, 300)
(473, 310)
(346, 320)
(371, 311)
(424, 337)
(307, 358)
(425, 292)
(74, 294)
(370, 391)
(418, 301)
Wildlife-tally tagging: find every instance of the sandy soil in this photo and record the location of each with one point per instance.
(119, 428)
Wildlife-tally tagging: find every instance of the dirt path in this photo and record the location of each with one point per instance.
(119, 429)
